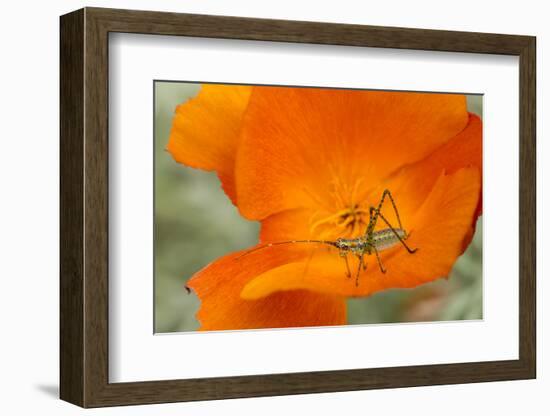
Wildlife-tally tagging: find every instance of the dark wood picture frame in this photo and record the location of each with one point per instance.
(84, 207)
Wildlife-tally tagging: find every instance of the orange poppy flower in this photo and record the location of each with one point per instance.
(309, 163)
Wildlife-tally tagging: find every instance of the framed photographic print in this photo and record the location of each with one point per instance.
(255, 207)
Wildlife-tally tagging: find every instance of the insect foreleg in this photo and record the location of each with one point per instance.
(359, 267)
(345, 256)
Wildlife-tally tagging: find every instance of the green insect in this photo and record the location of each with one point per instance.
(372, 242)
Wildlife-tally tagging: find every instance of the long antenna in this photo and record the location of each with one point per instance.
(246, 253)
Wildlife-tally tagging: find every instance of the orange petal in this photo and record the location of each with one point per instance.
(412, 184)
(438, 227)
(288, 225)
(218, 286)
(205, 131)
(298, 140)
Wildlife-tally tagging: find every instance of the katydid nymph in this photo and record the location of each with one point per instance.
(372, 242)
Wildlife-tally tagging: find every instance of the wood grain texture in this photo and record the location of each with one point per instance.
(71, 100)
(224, 27)
(527, 208)
(96, 208)
(84, 207)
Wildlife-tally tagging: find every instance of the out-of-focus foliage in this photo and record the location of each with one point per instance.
(195, 223)
(458, 297)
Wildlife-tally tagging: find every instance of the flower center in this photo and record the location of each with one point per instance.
(348, 219)
(346, 222)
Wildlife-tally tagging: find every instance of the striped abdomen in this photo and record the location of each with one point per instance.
(386, 238)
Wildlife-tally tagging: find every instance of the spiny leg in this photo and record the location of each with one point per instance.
(345, 257)
(374, 218)
(389, 195)
(379, 262)
(361, 264)
(410, 250)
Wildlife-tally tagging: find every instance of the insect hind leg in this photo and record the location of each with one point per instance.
(388, 194)
(410, 250)
(375, 213)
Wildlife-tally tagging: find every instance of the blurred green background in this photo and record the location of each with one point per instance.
(195, 223)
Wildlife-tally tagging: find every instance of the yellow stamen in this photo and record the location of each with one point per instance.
(346, 201)
(330, 218)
